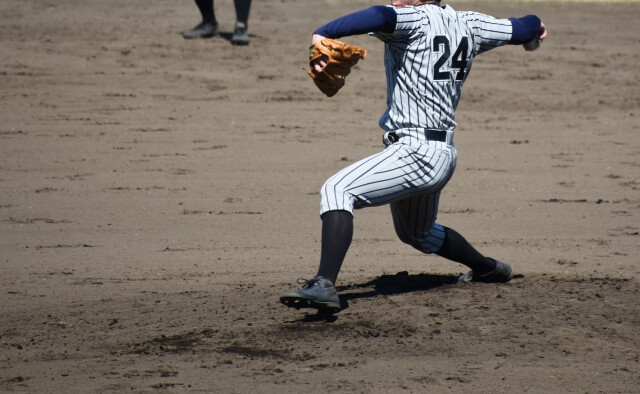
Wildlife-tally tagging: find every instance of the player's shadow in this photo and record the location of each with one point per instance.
(399, 283)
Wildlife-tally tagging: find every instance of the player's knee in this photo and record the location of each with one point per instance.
(409, 240)
(419, 244)
(429, 242)
(334, 197)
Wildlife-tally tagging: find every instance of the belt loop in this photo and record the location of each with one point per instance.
(449, 139)
(389, 138)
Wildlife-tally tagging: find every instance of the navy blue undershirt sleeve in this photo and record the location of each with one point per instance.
(525, 29)
(374, 19)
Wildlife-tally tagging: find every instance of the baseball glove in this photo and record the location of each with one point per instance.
(340, 57)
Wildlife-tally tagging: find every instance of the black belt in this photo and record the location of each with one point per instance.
(430, 135)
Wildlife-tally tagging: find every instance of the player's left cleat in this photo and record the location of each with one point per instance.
(501, 274)
(318, 293)
(203, 30)
(240, 35)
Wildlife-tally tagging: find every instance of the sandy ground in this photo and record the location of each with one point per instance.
(157, 196)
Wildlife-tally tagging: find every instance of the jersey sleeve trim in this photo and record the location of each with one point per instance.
(525, 29)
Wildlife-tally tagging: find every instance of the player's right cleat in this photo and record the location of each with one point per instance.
(501, 274)
(319, 293)
(203, 30)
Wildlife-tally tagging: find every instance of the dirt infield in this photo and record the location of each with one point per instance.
(157, 195)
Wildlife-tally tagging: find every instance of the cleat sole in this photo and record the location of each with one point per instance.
(301, 302)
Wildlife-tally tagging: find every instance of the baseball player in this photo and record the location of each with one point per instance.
(429, 51)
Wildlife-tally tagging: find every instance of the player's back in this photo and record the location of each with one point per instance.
(428, 59)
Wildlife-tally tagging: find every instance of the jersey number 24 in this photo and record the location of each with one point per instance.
(458, 60)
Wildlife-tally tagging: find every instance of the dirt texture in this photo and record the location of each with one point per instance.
(158, 195)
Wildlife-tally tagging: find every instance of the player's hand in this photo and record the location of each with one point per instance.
(320, 63)
(535, 43)
(542, 33)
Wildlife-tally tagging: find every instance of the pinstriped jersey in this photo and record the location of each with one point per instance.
(427, 59)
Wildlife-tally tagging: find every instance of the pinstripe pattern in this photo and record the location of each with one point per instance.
(423, 90)
(407, 174)
(399, 171)
(414, 99)
(414, 221)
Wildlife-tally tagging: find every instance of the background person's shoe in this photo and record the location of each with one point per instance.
(240, 35)
(319, 293)
(203, 30)
(501, 274)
